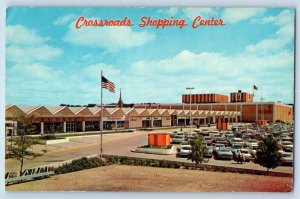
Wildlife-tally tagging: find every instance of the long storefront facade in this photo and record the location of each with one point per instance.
(56, 119)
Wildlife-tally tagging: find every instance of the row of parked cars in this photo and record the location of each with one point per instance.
(240, 142)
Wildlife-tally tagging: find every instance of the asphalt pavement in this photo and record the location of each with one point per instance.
(113, 144)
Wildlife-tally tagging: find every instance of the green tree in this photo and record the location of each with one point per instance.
(22, 143)
(198, 150)
(267, 154)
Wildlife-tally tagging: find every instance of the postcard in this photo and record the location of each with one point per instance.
(115, 99)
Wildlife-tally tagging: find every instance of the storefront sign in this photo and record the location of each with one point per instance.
(115, 118)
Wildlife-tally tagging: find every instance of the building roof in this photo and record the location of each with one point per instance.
(60, 111)
(26, 108)
(54, 109)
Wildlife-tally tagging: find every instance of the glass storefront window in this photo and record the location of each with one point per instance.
(120, 124)
(53, 127)
(92, 126)
(157, 123)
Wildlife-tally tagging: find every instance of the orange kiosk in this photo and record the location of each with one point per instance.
(158, 139)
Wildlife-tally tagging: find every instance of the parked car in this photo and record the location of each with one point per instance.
(209, 152)
(214, 134)
(286, 158)
(185, 150)
(235, 147)
(190, 136)
(251, 142)
(205, 131)
(287, 146)
(246, 155)
(197, 130)
(236, 141)
(252, 150)
(224, 153)
(228, 132)
(208, 140)
(218, 146)
(185, 143)
(221, 140)
(177, 133)
(178, 139)
(229, 137)
(287, 138)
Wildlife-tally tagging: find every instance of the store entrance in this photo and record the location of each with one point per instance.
(71, 127)
(146, 123)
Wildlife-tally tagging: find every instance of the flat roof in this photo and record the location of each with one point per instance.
(215, 104)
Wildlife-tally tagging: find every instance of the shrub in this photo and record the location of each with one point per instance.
(177, 165)
(163, 163)
(114, 160)
(80, 164)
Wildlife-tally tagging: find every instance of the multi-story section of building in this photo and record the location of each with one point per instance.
(249, 111)
(241, 97)
(204, 98)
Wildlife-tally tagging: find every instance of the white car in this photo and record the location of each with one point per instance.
(214, 134)
(178, 139)
(235, 148)
(251, 142)
(286, 158)
(185, 150)
(287, 146)
(252, 149)
(237, 141)
(246, 155)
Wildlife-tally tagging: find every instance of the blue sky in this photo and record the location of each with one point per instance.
(49, 61)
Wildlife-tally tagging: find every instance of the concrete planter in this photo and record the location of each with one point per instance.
(156, 151)
(57, 141)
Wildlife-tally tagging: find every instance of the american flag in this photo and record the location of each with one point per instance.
(105, 83)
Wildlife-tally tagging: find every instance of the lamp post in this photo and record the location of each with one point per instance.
(236, 107)
(190, 88)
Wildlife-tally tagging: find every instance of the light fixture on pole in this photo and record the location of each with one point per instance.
(190, 88)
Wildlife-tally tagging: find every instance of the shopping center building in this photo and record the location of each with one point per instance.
(202, 109)
(55, 119)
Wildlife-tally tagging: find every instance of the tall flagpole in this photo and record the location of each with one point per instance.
(101, 122)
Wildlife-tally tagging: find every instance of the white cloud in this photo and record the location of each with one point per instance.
(36, 83)
(34, 71)
(110, 38)
(235, 15)
(283, 36)
(94, 71)
(203, 12)
(169, 11)
(215, 72)
(28, 54)
(25, 45)
(63, 20)
(20, 35)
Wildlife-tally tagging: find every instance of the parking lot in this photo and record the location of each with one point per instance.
(121, 144)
